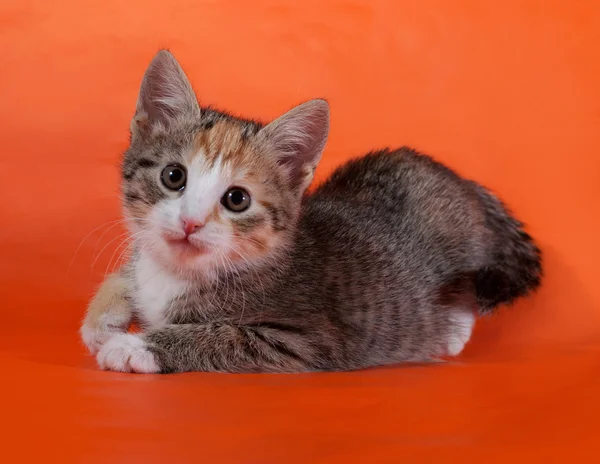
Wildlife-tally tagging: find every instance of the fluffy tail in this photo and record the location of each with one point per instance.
(514, 266)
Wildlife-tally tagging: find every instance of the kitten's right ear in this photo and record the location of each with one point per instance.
(165, 95)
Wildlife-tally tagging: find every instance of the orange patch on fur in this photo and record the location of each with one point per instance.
(223, 140)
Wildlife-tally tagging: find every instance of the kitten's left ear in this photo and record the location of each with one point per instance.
(298, 139)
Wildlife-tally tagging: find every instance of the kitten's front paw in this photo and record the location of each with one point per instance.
(94, 335)
(127, 353)
(94, 338)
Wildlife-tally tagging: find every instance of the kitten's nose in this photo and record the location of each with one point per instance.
(190, 226)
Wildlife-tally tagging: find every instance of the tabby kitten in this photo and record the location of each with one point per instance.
(236, 269)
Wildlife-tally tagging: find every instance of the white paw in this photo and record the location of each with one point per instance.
(94, 336)
(462, 322)
(127, 353)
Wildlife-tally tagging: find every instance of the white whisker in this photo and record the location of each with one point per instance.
(85, 238)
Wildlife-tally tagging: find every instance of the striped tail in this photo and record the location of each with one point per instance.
(514, 267)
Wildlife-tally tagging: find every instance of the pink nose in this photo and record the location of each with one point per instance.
(190, 226)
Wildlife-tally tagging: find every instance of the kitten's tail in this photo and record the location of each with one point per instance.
(514, 267)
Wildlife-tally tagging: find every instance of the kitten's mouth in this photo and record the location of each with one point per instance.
(185, 246)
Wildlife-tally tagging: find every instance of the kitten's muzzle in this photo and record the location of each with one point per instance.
(188, 245)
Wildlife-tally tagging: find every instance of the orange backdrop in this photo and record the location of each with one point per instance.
(505, 91)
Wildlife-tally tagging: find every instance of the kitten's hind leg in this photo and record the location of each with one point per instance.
(461, 326)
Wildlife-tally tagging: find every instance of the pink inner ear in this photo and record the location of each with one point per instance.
(165, 93)
(299, 137)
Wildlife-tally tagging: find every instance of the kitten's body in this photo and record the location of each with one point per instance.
(388, 261)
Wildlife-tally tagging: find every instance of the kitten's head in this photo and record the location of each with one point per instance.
(204, 191)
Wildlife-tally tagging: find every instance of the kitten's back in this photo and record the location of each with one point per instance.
(428, 215)
(446, 228)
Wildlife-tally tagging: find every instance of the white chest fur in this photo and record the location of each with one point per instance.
(156, 289)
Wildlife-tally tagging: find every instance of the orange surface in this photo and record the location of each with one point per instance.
(505, 91)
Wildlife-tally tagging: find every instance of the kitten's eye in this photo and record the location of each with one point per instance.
(236, 199)
(173, 177)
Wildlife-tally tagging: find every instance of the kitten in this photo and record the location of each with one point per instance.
(236, 269)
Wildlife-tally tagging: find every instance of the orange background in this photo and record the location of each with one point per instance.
(506, 92)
